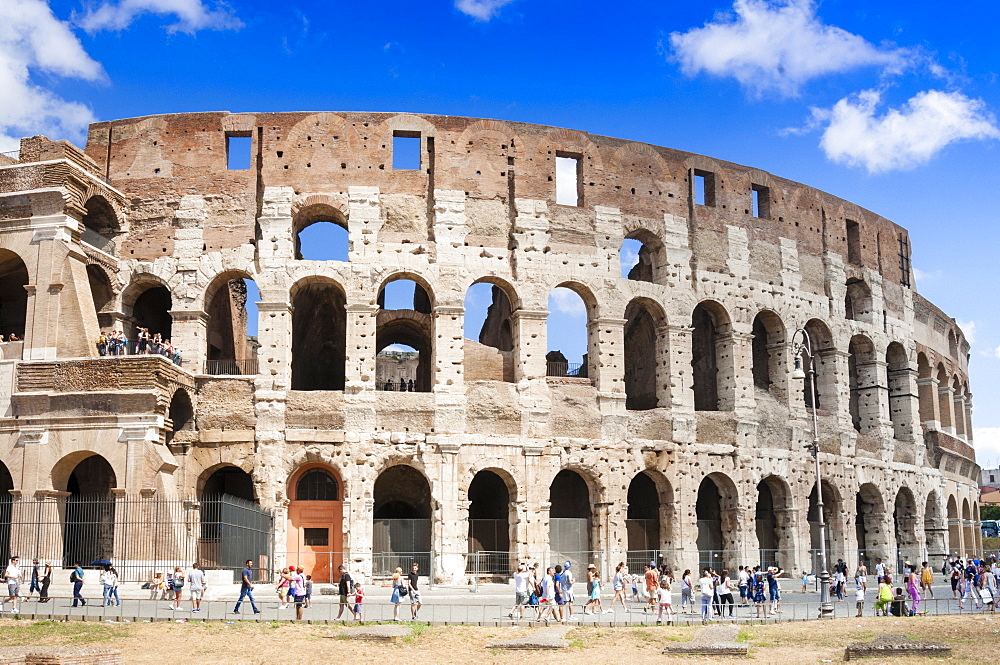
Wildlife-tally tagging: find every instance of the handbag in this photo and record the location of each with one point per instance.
(403, 591)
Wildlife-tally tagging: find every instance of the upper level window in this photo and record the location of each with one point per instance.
(853, 242)
(406, 150)
(761, 201)
(238, 147)
(703, 183)
(568, 179)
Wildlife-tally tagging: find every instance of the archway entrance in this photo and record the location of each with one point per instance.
(716, 526)
(870, 524)
(151, 311)
(13, 297)
(315, 523)
(89, 525)
(832, 510)
(569, 518)
(402, 520)
(642, 521)
(6, 485)
(904, 517)
(233, 527)
(772, 522)
(489, 524)
(954, 528)
(319, 335)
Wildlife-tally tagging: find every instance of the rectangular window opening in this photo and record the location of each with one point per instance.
(904, 260)
(316, 537)
(405, 150)
(704, 187)
(568, 179)
(239, 147)
(853, 242)
(761, 201)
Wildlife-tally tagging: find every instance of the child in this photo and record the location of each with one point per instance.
(665, 602)
(309, 590)
(805, 581)
(359, 598)
(859, 598)
(156, 586)
(635, 587)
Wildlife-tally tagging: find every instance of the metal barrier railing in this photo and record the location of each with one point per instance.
(247, 367)
(558, 368)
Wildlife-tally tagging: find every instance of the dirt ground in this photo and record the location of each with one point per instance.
(973, 638)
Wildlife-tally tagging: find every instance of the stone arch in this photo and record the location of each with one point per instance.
(870, 523)
(315, 520)
(833, 523)
(863, 375)
(228, 349)
(226, 479)
(147, 303)
(954, 527)
(904, 517)
(958, 405)
(497, 332)
(180, 414)
(558, 364)
(401, 515)
(100, 219)
(900, 378)
(647, 362)
(968, 532)
(313, 211)
(412, 327)
(13, 295)
(712, 367)
(649, 520)
(935, 528)
(89, 518)
(102, 292)
(570, 515)
(773, 521)
(492, 521)
(824, 367)
(319, 334)
(858, 301)
(768, 353)
(927, 393)
(651, 256)
(717, 509)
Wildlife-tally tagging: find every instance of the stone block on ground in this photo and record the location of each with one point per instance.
(718, 640)
(547, 638)
(382, 633)
(890, 644)
(33, 655)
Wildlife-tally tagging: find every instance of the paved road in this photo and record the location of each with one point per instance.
(489, 604)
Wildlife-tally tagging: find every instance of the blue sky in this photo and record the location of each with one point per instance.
(891, 105)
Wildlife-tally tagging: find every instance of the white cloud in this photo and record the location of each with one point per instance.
(566, 301)
(986, 441)
(192, 15)
(481, 10)
(776, 46)
(968, 329)
(923, 276)
(32, 42)
(903, 137)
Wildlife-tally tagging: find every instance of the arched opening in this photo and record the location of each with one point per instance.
(952, 344)
(641, 257)
(489, 334)
(642, 521)
(233, 527)
(945, 403)
(823, 368)
(404, 337)
(927, 393)
(717, 529)
(864, 382)
(180, 414)
(900, 393)
(954, 528)
(958, 399)
(968, 533)
(566, 334)
(89, 525)
(642, 358)
(319, 335)
(489, 524)
(870, 526)
(6, 499)
(833, 508)
(13, 296)
(710, 344)
(100, 224)
(402, 520)
(767, 353)
(569, 517)
(935, 529)
(228, 481)
(231, 347)
(315, 522)
(904, 518)
(773, 525)
(321, 234)
(858, 301)
(151, 313)
(102, 294)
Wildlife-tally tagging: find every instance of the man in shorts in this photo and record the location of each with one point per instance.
(196, 585)
(345, 588)
(521, 592)
(567, 592)
(411, 585)
(13, 578)
(652, 583)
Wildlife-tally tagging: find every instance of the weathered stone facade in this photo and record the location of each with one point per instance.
(686, 385)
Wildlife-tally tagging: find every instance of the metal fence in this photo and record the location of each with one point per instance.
(140, 536)
(246, 367)
(558, 368)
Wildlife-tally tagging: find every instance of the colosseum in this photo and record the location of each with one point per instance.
(683, 434)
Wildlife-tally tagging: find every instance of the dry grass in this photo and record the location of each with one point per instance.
(974, 639)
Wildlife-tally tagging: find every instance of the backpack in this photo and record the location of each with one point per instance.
(72, 577)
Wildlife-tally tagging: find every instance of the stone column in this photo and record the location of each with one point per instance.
(49, 325)
(742, 389)
(606, 354)
(904, 404)
(36, 525)
(681, 383)
(360, 351)
(189, 333)
(946, 401)
(276, 245)
(450, 533)
(959, 411)
(274, 333)
(927, 389)
(530, 344)
(138, 433)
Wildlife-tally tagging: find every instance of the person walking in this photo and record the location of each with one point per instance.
(725, 589)
(12, 576)
(345, 587)
(177, 584)
(397, 592)
(707, 584)
(359, 599)
(664, 601)
(246, 588)
(520, 591)
(105, 580)
(281, 584)
(926, 581)
(43, 594)
(652, 581)
(35, 578)
(411, 585)
(686, 587)
(912, 588)
(76, 577)
(196, 586)
(618, 584)
(548, 596)
(297, 588)
(566, 583)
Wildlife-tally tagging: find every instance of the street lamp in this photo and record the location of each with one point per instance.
(803, 353)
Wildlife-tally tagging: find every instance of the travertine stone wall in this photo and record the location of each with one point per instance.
(482, 207)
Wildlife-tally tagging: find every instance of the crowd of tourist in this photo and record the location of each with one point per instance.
(402, 386)
(13, 337)
(116, 344)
